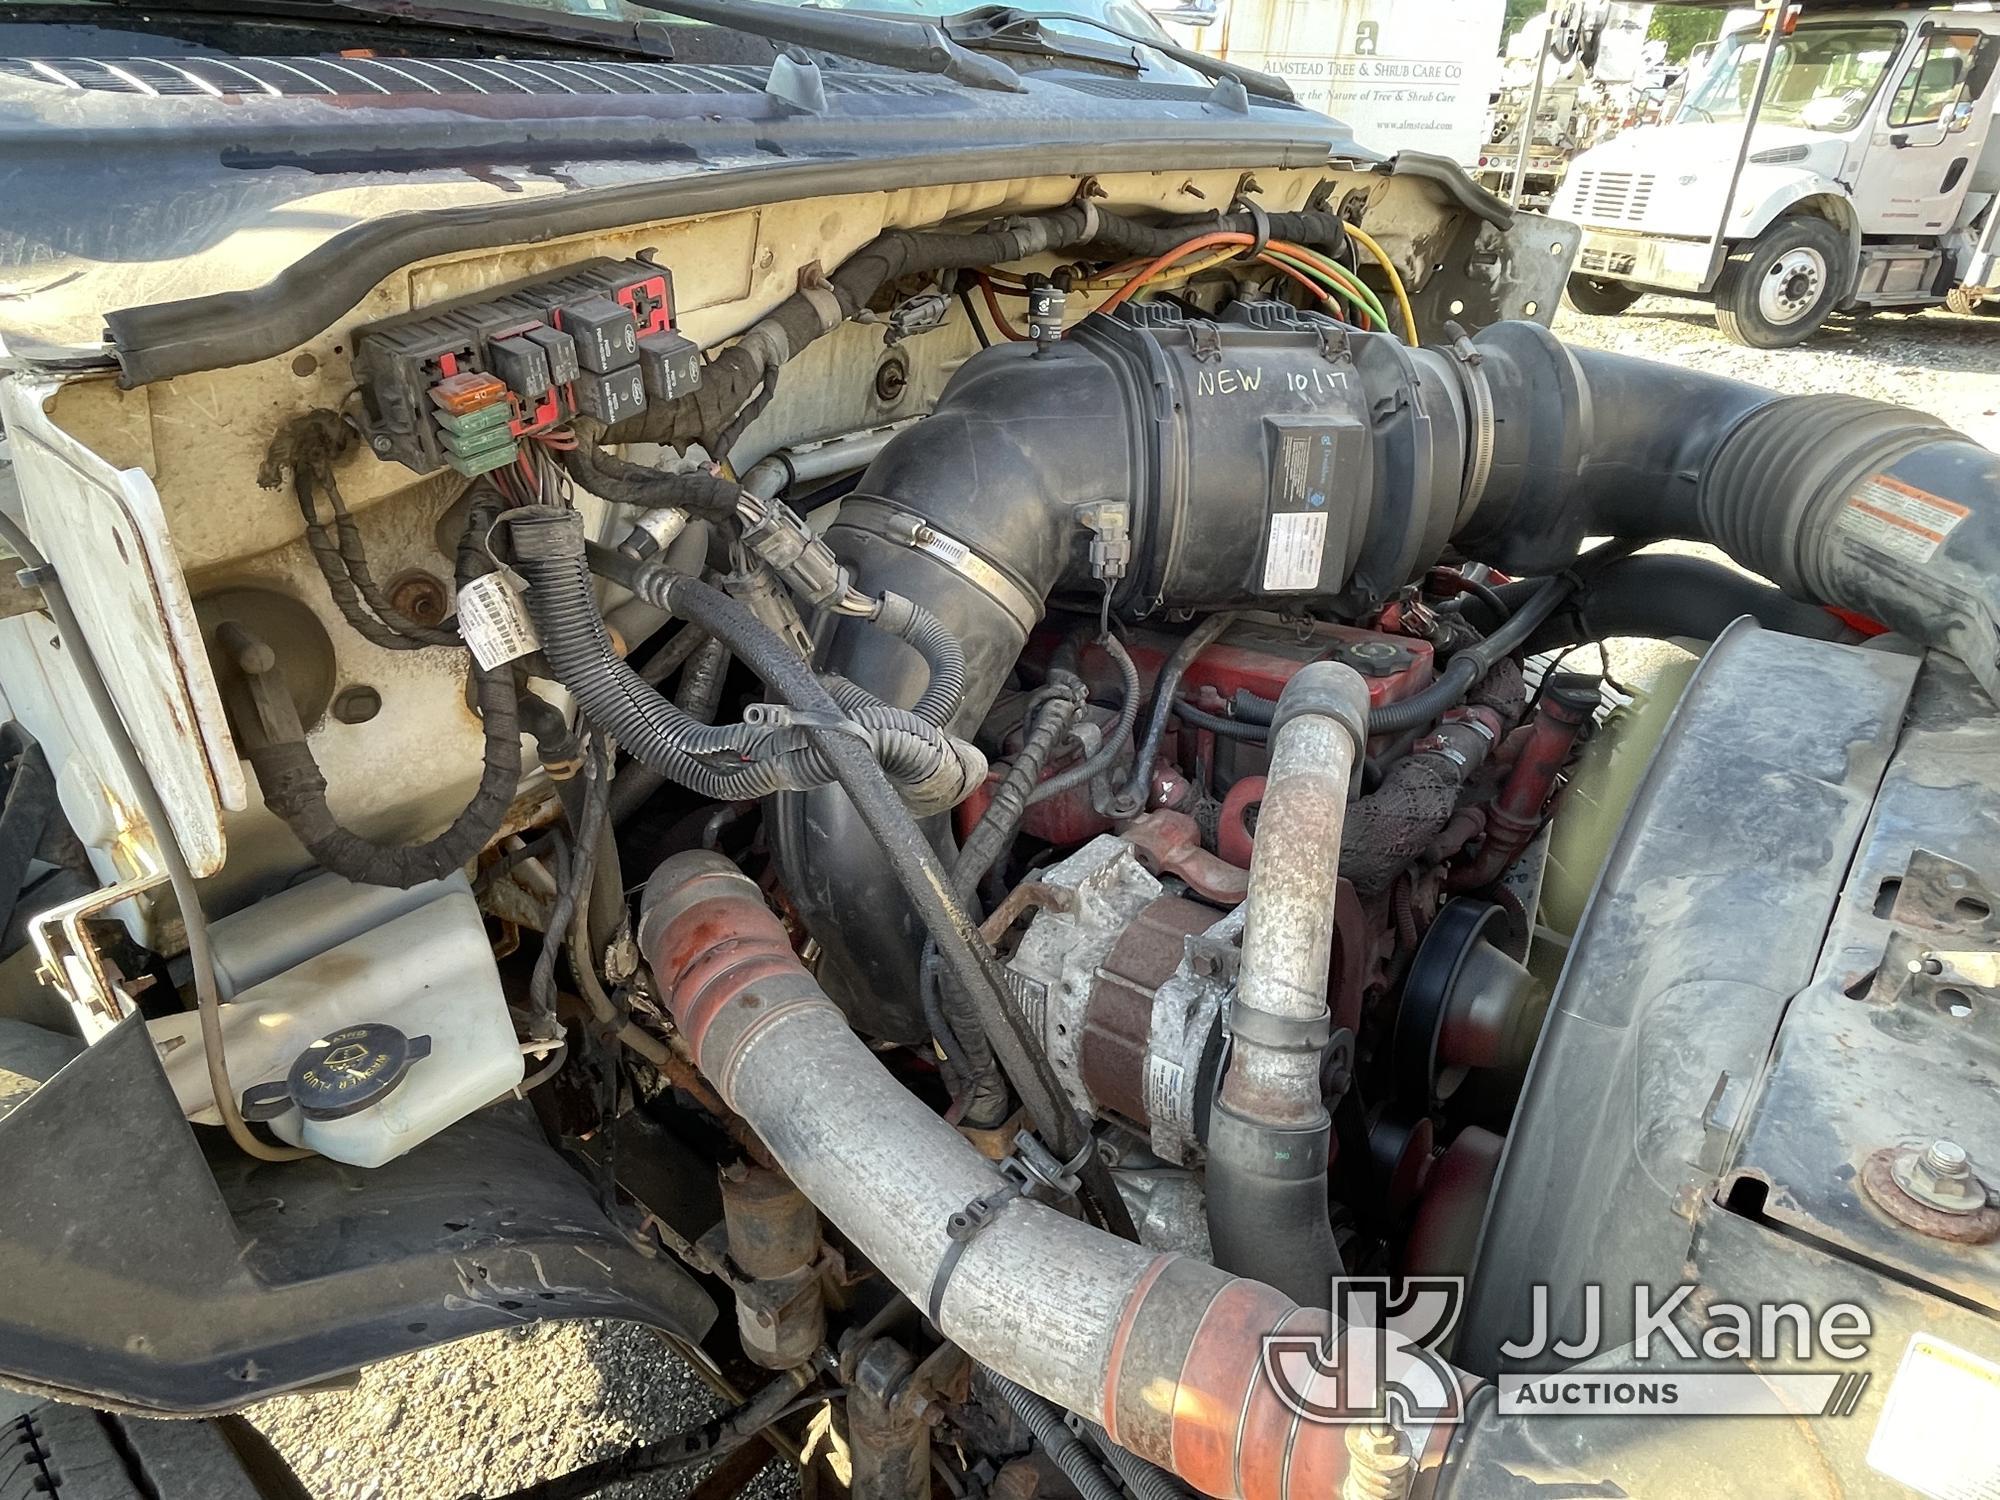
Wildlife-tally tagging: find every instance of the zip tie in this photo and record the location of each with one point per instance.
(1029, 1167)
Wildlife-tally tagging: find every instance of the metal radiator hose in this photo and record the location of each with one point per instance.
(1270, 1135)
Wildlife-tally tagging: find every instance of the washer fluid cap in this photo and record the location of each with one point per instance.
(347, 1071)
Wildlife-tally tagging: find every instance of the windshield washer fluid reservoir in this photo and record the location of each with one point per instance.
(428, 973)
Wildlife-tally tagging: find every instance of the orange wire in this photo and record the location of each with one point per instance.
(1202, 242)
(1318, 291)
(1007, 329)
(1160, 263)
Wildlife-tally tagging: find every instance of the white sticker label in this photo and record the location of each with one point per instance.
(1298, 538)
(1899, 518)
(1936, 1430)
(494, 621)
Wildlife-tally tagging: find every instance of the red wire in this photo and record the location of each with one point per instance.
(993, 310)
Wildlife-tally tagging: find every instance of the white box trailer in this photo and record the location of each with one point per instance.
(1856, 170)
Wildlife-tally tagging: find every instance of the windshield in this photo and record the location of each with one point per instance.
(1823, 79)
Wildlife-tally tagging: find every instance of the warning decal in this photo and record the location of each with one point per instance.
(1899, 518)
(1292, 558)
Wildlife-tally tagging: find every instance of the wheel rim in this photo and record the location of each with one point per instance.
(1791, 285)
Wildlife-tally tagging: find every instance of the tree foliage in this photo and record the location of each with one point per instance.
(1685, 27)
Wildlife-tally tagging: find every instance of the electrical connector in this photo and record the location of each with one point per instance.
(775, 533)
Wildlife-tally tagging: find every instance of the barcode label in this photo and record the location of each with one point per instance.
(494, 621)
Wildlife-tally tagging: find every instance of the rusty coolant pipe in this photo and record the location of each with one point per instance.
(1270, 1135)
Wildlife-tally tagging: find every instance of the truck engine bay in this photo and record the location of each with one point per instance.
(1001, 810)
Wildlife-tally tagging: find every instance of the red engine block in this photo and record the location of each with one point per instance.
(1254, 656)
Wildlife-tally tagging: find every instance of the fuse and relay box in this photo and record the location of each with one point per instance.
(460, 384)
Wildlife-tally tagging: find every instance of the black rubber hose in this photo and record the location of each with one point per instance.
(1486, 594)
(1166, 688)
(289, 777)
(1105, 757)
(580, 871)
(1465, 669)
(953, 1022)
(1065, 1450)
(1246, 707)
(923, 880)
(556, 744)
(926, 634)
(981, 1090)
(699, 695)
(1661, 596)
(1229, 729)
(669, 659)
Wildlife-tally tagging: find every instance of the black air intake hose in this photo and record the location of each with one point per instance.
(1665, 596)
(1837, 499)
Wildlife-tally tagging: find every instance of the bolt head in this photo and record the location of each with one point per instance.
(1945, 1156)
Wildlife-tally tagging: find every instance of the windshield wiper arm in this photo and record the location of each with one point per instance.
(989, 23)
(911, 45)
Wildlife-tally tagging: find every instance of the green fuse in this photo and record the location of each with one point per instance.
(474, 464)
(466, 444)
(481, 419)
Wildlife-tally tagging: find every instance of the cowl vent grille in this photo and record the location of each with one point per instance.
(365, 77)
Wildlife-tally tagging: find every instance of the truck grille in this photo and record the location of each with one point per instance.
(1614, 195)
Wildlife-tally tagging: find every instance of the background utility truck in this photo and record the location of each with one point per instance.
(1856, 171)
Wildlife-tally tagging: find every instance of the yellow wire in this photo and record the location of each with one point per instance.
(1180, 274)
(1367, 242)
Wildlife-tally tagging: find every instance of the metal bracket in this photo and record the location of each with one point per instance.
(70, 962)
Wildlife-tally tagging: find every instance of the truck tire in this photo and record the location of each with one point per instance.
(1777, 292)
(56, 1452)
(1600, 299)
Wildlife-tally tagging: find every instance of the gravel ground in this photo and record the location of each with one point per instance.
(494, 1413)
(490, 1414)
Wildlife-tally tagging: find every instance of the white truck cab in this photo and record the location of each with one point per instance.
(1857, 171)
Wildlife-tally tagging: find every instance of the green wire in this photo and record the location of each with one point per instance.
(1341, 280)
(1361, 288)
